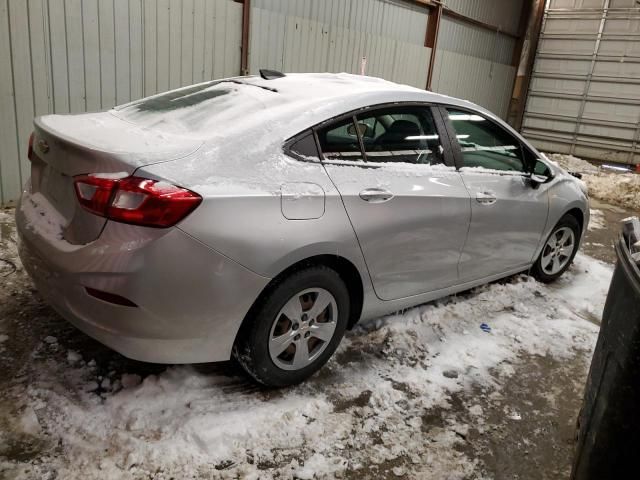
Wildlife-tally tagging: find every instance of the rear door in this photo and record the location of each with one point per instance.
(508, 211)
(406, 202)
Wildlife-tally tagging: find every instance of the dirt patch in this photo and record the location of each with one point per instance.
(604, 229)
(528, 431)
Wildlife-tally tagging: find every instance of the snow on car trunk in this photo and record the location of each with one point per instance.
(64, 146)
(370, 404)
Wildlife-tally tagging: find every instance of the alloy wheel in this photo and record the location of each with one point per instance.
(558, 250)
(303, 328)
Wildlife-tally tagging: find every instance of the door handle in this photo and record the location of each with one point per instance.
(486, 198)
(376, 195)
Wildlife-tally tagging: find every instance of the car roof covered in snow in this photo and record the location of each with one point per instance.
(282, 106)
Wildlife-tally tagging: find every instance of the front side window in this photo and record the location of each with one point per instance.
(400, 135)
(485, 144)
(339, 141)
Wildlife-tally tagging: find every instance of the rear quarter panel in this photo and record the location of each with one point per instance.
(241, 216)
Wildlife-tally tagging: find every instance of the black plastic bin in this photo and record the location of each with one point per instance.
(608, 445)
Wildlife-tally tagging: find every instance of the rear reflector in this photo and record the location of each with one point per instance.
(110, 297)
(135, 200)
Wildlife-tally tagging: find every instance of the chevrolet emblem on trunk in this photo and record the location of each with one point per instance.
(43, 146)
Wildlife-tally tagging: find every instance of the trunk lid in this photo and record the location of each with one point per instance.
(98, 143)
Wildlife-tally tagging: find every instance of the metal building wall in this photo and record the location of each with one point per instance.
(334, 35)
(584, 96)
(504, 14)
(61, 56)
(475, 63)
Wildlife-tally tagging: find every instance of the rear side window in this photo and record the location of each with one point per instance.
(485, 144)
(339, 141)
(304, 148)
(400, 135)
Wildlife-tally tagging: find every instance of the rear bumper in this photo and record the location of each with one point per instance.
(190, 299)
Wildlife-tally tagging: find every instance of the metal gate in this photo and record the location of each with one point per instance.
(584, 96)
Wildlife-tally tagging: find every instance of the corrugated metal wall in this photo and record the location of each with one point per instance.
(584, 96)
(334, 35)
(61, 56)
(504, 14)
(475, 63)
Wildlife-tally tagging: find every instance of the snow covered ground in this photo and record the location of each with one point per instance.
(421, 394)
(621, 189)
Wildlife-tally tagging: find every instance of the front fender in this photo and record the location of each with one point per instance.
(565, 195)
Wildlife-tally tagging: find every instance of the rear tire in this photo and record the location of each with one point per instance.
(558, 251)
(295, 328)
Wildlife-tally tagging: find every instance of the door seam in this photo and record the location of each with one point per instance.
(353, 229)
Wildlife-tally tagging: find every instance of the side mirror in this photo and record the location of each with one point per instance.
(536, 180)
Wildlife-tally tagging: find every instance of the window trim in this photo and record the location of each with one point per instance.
(445, 142)
(457, 150)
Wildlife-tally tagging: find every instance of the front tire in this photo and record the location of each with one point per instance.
(558, 251)
(295, 328)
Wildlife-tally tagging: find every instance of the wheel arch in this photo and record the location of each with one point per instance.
(578, 214)
(342, 266)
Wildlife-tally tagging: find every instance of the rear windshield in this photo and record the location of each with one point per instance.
(195, 109)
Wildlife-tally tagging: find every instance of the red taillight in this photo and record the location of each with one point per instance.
(94, 193)
(135, 200)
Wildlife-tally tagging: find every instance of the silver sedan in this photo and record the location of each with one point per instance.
(260, 217)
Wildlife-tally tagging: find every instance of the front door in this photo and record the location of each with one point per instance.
(508, 211)
(408, 205)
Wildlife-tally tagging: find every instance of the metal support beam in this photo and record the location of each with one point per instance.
(436, 11)
(431, 40)
(472, 21)
(244, 53)
(524, 58)
(523, 26)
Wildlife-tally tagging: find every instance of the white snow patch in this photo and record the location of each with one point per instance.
(514, 416)
(573, 164)
(45, 220)
(73, 357)
(476, 411)
(367, 405)
(4, 338)
(110, 176)
(617, 188)
(130, 380)
(28, 422)
(596, 219)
